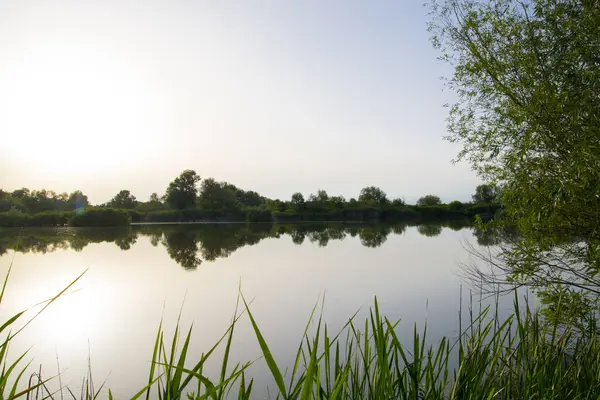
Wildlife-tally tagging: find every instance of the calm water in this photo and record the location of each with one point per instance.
(137, 275)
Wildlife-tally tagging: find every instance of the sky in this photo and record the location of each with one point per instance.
(272, 96)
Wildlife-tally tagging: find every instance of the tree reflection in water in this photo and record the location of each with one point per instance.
(190, 245)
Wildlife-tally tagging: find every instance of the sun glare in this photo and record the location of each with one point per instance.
(77, 110)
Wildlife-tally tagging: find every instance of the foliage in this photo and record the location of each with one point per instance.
(456, 205)
(123, 199)
(429, 200)
(135, 215)
(373, 195)
(527, 77)
(217, 195)
(398, 202)
(297, 200)
(154, 198)
(486, 193)
(222, 201)
(320, 197)
(149, 206)
(39, 201)
(259, 214)
(100, 217)
(182, 192)
(15, 218)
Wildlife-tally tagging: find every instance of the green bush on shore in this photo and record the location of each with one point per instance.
(94, 216)
(100, 217)
(47, 218)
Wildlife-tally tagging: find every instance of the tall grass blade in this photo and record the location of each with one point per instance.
(267, 353)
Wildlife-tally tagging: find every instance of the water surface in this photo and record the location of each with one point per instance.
(138, 275)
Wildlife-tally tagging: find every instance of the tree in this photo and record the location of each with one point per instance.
(336, 202)
(154, 198)
(455, 205)
(20, 193)
(217, 195)
(182, 192)
(527, 78)
(77, 201)
(373, 195)
(123, 199)
(297, 200)
(276, 205)
(249, 198)
(320, 197)
(398, 202)
(486, 193)
(429, 200)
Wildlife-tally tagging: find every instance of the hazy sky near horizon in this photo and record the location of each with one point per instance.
(273, 96)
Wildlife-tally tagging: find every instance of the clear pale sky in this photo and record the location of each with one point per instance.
(273, 96)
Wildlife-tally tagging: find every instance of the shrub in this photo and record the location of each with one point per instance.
(135, 215)
(100, 217)
(456, 205)
(260, 214)
(50, 218)
(12, 219)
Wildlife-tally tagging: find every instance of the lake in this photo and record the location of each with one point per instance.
(136, 276)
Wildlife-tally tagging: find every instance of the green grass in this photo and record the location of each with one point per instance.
(521, 357)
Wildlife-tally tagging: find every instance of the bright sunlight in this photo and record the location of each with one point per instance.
(79, 111)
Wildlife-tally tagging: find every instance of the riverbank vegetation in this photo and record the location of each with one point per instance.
(527, 115)
(190, 198)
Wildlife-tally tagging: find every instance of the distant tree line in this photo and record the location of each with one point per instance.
(190, 198)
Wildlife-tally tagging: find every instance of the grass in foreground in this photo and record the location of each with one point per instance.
(518, 358)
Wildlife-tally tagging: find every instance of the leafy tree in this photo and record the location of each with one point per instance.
(77, 201)
(320, 197)
(372, 194)
(527, 78)
(337, 201)
(249, 198)
(429, 200)
(297, 200)
(398, 202)
(154, 198)
(182, 192)
(456, 205)
(276, 205)
(123, 199)
(20, 193)
(486, 193)
(217, 195)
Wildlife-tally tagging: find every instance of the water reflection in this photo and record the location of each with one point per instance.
(190, 245)
(429, 230)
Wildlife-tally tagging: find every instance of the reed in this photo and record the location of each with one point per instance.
(521, 357)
